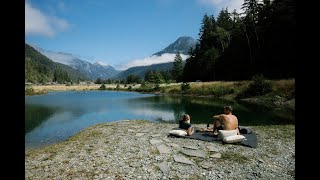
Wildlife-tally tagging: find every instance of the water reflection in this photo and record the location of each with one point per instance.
(58, 115)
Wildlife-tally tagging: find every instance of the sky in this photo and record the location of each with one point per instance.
(121, 33)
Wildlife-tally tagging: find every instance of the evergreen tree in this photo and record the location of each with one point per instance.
(177, 69)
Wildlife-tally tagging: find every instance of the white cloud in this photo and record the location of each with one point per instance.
(167, 57)
(37, 23)
(219, 4)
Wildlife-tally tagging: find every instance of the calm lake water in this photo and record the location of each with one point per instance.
(56, 116)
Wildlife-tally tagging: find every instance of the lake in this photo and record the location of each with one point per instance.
(55, 116)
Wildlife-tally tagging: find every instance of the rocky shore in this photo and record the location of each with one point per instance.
(141, 150)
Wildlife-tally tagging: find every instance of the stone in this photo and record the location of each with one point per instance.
(196, 153)
(212, 148)
(164, 167)
(156, 135)
(191, 147)
(163, 149)
(173, 145)
(166, 140)
(140, 134)
(131, 130)
(206, 165)
(182, 159)
(155, 141)
(216, 155)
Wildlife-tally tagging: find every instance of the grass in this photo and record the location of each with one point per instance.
(29, 91)
(236, 157)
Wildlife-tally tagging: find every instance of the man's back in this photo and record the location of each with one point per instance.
(230, 122)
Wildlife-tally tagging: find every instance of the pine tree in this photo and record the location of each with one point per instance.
(177, 69)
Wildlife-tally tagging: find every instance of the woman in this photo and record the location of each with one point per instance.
(184, 123)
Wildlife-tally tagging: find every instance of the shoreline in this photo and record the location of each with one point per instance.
(173, 89)
(130, 150)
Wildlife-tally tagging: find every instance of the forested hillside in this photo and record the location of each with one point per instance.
(40, 69)
(236, 46)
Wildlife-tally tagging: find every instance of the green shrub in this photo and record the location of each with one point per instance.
(258, 87)
(130, 88)
(103, 87)
(157, 87)
(117, 87)
(29, 91)
(185, 87)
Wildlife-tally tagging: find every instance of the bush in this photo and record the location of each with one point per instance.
(258, 87)
(130, 88)
(185, 87)
(29, 91)
(117, 87)
(157, 87)
(103, 87)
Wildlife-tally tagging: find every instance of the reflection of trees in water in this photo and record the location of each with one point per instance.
(202, 109)
(35, 115)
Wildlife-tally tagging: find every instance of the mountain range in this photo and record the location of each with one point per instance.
(40, 69)
(92, 71)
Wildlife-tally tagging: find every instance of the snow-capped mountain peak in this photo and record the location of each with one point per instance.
(92, 71)
(101, 64)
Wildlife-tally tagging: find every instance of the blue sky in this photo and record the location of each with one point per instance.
(115, 32)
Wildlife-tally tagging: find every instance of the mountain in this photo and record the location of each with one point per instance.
(39, 68)
(141, 70)
(92, 71)
(182, 45)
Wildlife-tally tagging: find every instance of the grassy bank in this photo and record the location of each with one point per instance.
(268, 92)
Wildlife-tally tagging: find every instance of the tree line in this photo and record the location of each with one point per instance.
(236, 46)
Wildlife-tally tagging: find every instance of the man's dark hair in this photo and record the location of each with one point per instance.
(229, 108)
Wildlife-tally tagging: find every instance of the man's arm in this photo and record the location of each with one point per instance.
(217, 117)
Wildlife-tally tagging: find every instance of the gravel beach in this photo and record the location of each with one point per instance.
(139, 149)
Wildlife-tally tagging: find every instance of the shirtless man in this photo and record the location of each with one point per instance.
(225, 121)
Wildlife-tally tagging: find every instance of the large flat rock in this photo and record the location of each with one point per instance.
(212, 148)
(182, 159)
(206, 165)
(164, 167)
(156, 135)
(155, 141)
(173, 145)
(191, 147)
(163, 149)
(195, 153)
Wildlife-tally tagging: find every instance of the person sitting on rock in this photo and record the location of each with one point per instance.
(226, 121)
(184, 123)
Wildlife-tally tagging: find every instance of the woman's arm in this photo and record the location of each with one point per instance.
(190, 131)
